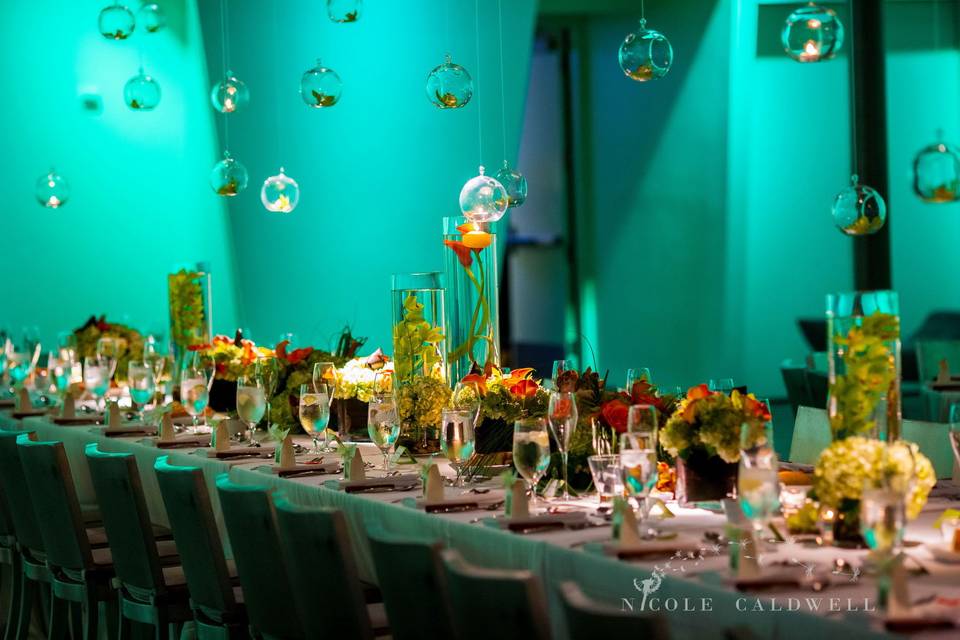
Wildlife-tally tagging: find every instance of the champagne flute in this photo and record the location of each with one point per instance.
(562, 417)
(531, 451)
(194, 393)
(251, 400)
(639, 374)
(383, 424)
(457, 438)
(96, 378)
(559, 366)
(315, 414)
(109, 349)
(638, 465)
(642, 420)
(268, 369)
(143, 385)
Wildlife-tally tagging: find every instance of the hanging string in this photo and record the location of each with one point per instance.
(224, 59)
(643, 11)
(852, 98)
(276, 80)
(503, 108)
(479, 113)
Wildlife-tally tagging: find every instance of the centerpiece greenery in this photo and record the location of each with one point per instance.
(129, 340)
(231, 358)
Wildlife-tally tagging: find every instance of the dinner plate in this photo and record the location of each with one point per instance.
(942, 552)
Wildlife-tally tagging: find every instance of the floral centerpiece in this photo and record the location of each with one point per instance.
(848, 464)
(420, 405)
(295, 369)
(188, 292)
(232, 358)
(356, 383)
(504, 398)
(704, 435)
(130, 342)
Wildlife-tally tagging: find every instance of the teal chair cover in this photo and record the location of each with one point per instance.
(190, 512)
(513, 599)
(413, 584)
(586, 618)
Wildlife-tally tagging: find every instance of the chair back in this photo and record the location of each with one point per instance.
(586, 618)
(15, 505)
(931, 352)
(317, 539)
(795, 380)
(414, 587)
(480, 596)
(54, 495)
(194, 527)
(126, 519)
(251, 522)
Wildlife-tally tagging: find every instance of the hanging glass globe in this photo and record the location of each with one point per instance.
(483, 199)
(151, 17)
(116, 22)
(812, 34)
(320, 87)
(514, 183)
(142, 92)
(52, 190)
(228, 177)
(344, 10)
(449, 86)
(229, 94)
(280, 193)
(936, 173)
(645, 54)
(859, 210)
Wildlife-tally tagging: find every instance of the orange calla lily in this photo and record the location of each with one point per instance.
(524, 389)
(462, 251)
(478, 380)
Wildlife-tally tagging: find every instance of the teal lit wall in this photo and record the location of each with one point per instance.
(140, 200)
(378, 171)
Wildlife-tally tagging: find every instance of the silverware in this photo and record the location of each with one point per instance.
(453, 508)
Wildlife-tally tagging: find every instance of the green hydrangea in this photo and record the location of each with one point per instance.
(420, 403)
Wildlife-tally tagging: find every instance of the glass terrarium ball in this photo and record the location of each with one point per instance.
(150, 17)
(228, 177)
(449, 86)
(320, 87)
(514, 183)
(52, 190)
(645, 54)
(859, 210)
(812, 34)
(280, 193)
(936, 173)
(116, 22)
(344, 10)
(142, 92)
(229, 94)
(483, 199)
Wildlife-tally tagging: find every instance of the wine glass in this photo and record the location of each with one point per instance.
(638, 466)
(60, 369)
(22, 360)
(383, 424)
(758, 487)
(636, 375)
(143, 384)
(607, 477)
(269, 371)
(194, 393)
(315, 414)
(251, 400)
(457, 438)
(109, 348)
(882, 517)
(559, 366)
(531, 451)
(466, 397)
(96, 378)
(562, 417)
(642, 420)
(723, 385)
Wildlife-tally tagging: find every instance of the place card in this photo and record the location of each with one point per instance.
(285, 457)
(167, 432)
(114, 416)
(516, 504)
(353, 470)
(221, 437)
(432, 484)
(22, 401)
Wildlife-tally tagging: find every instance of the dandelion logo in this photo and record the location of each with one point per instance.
(648, 586)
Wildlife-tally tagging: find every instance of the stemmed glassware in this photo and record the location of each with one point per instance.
(607, 477)
(268, 369)
(96, 378)
(383, 424)
(457, 438)
(143, 385)
(638, 465)
(531, 451)
(315, 414)
(194, 393)
(636, 375)
(758, 487)
(466, 397)
(251, 400)
(642, 419)
(325, 376)
(22, 361)
(562, 417)
(60, 369)
(723, 385)
(109, 348)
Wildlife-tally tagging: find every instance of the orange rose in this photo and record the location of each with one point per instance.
(614, 413)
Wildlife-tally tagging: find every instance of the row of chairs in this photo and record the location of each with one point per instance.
(295, 575)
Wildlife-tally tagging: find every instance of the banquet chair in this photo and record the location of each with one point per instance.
(217, 603)
(151, 591)
(587, 618)
(9, 564)
(319, 539)
(413, 584)
(479, 596)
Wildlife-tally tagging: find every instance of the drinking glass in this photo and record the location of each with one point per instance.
(642, 420)
(882, 517)
(607, 477)
(154, 357)
(636, 375)
(143, 384)
(251, 400)
(269, 371)
(562, 417)
(758, 487)
(21, 360)
(109, 349)
(383, 424)
(466, 397)
(60, 369)
(559, 366)
(67, 345)
(194, 393)
(457, 438)
(723, 385)
(315, 414)
(638, 466)
(96, 378)
(531, 451)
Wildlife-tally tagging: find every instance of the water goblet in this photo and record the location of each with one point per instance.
(109, 348)
(143, 385)
(638, 466)
(531, 452)
(315, 414)
(194, 393)
(457, 438)
(639, 374)
(251, 400)
(268, 369)
(758, 486)
(607, 477)
(562, 417)
(383, 424)
(723, 385)
(96, 378)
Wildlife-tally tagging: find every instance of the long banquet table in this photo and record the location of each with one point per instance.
(704, 599)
